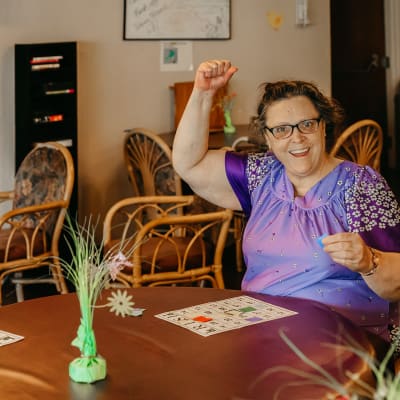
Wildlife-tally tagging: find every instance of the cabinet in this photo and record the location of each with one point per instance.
(46, 99)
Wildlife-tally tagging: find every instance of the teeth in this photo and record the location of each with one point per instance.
(298, 151)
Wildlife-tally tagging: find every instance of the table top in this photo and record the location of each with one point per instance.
(220, 139)
(149, 358)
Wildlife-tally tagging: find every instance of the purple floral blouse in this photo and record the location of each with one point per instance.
(280, 244)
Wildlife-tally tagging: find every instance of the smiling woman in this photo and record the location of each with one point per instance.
(304, 155)
(295, 194)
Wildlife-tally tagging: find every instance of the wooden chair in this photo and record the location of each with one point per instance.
(361, 142)
(171, 248)
(148, 160)
(30, 231)
(250, 144)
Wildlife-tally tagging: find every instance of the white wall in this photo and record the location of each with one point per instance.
(120, 83)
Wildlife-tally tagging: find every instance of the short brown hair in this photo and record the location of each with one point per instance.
(329, 109)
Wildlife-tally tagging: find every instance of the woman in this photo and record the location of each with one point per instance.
(318, 227)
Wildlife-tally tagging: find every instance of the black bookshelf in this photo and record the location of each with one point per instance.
(46, 99)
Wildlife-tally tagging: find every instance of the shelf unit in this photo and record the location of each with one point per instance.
(46, 100)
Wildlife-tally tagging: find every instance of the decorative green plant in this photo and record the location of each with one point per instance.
(90, 272)
(387, 384)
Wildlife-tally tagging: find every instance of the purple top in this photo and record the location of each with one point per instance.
(280, 244)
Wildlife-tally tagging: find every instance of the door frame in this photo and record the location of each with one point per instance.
(392, 39)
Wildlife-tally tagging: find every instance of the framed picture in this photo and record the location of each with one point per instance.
(177, 19)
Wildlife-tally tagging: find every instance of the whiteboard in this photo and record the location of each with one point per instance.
(176, 19)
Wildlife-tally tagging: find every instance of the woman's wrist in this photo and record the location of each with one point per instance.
(374, 262)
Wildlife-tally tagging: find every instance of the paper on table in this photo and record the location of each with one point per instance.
(8, 338)
(224, 315)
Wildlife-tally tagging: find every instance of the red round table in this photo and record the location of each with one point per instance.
(149, 358)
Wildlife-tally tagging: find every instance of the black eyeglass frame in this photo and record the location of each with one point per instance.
(294, 126)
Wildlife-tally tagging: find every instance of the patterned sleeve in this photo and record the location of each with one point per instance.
(245, 172)
(373, 210)
(235, 167)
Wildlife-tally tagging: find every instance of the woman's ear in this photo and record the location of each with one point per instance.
(267, 141)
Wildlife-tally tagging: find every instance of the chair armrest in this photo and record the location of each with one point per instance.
(10, 216)
(7, 195)
(132, 210)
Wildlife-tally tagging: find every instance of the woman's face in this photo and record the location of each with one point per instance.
(302, 154)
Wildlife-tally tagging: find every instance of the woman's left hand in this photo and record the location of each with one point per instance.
(350, 250)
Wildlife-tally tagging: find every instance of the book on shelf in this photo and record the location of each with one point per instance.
(60, 91)
(46, 59)
(44, 119)
(41, 67)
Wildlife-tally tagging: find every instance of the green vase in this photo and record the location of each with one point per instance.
(228, 127)
(88, 369)
(90, 366)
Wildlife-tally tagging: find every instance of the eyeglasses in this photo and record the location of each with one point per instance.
(284, 131)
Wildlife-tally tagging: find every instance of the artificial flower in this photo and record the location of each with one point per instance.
(117, 263)
(120, 303)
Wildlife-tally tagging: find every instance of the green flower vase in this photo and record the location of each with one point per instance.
(228, 127)
(90, 366)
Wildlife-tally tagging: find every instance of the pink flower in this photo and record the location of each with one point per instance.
(117, 263)
(227, 101)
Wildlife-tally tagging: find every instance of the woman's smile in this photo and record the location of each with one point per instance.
(300, 152)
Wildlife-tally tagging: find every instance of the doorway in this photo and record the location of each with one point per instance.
(359, 62)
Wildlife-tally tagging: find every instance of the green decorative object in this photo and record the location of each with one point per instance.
(89, 271)
(227, 105)
(88, 369)
(228, 127)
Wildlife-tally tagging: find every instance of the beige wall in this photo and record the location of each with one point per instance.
(120, 83)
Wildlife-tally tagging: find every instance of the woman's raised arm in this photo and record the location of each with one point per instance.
(201, 168)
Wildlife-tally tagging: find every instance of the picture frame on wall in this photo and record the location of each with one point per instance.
(177, 20)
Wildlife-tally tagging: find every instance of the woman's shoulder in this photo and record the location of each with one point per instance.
(358, 175)
(259, 165)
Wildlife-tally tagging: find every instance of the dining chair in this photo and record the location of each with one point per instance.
(361, 142)
(250, 144)
(148, 160)
(172, 248)
(30, 231)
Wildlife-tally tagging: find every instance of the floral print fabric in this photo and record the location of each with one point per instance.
(40, 179)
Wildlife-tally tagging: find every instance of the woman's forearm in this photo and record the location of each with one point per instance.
(191, 139)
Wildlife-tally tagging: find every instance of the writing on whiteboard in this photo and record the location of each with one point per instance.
(177, 19)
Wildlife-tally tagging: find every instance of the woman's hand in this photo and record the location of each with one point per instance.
(350, 250)
(213, 74)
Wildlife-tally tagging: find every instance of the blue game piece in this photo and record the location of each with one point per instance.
(319, 240)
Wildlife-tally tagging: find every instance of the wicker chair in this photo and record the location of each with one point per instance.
(170, 248)
(361, 142)
(30, 231)
(148, 160)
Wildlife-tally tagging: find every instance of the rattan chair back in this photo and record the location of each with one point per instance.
(361, 142)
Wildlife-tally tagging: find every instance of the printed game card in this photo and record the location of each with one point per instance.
(224, 315)
(8, 338)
